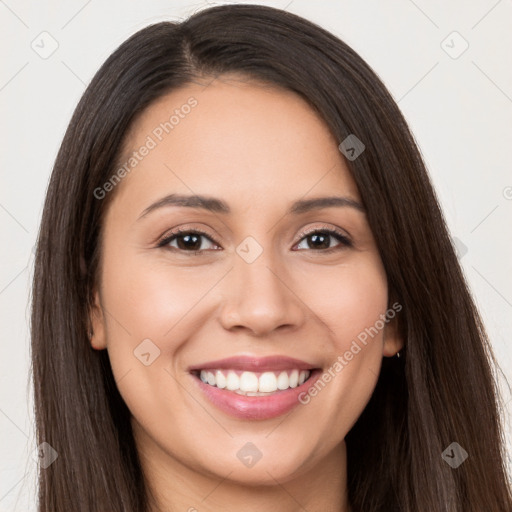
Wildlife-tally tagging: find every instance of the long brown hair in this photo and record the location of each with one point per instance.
(441, 391)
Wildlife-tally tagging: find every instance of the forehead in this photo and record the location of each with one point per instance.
(233, 138)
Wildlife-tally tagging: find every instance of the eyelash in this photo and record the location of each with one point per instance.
(340, 237)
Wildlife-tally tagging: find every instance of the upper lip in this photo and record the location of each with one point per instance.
(255, 364)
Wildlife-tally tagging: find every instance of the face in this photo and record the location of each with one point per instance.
(229, 291)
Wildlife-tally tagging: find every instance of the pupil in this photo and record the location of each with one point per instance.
(321, 240)
(189, 242)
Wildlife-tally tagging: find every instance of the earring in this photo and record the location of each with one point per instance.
(398, 355)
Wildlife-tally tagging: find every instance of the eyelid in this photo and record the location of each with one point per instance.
(345, 237)
(169, 235)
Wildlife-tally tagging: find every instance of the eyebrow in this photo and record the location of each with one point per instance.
(215, 205)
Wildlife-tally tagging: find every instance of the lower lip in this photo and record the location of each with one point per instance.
(256, 407)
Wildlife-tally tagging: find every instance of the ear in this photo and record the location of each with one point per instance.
(98, 338)
(393, 341)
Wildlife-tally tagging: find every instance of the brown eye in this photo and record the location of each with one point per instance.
(188, 241)
(323, 239)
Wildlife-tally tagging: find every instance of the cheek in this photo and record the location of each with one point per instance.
(353, 299)
(157, 309)
(349, 299)
(150, 311)
(150, 298)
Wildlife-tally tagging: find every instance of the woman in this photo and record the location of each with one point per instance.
(245, 295)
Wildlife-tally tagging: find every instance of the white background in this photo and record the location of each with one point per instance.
(460, 110)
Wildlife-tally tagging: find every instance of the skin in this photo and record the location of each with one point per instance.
(259, 149)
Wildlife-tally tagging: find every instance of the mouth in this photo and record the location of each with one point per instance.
(255, 388)
(253, 383)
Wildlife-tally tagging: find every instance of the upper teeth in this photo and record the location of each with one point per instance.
(250, 382)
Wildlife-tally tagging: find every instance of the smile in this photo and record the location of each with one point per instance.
(252, 383)
(253, 388)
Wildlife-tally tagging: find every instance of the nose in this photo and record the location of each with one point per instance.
(260, 297)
